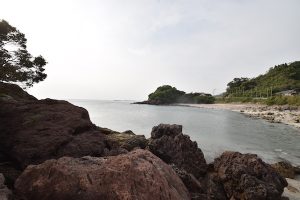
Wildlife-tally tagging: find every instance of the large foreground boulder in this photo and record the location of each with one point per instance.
(172, 146)
(245, 176)
(34, 131)
(136, 175)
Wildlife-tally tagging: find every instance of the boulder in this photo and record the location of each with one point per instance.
(194, 186)
(5, 193)
(136, 175)
(126, 140)
(168, 143)
(245, 176)
(34, 131)
(284, 169)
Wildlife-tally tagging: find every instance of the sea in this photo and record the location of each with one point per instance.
(215, 131)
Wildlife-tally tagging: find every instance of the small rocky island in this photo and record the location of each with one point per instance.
(166, 94)
(49, 149)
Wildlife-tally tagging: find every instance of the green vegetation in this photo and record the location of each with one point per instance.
(167, 94)
(267, 88)
(17, 65)
(279, 78)
(274, 100)
(283, 100)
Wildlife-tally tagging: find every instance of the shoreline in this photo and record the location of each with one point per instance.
(288, 115)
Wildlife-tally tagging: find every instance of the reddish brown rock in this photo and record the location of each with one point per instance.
(34, 131)
(136, 175)
(168, 143)
(245, 176)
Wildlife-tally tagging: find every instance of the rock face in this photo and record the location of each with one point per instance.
(136, 175)
(34, 131)
(245, 176)
(5, 193)
(284, 169)
(126, 140)
(13, 92)
(168, 143)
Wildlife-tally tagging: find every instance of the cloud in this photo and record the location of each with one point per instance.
(125, 49)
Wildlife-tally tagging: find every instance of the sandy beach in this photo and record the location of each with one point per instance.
(289, 115)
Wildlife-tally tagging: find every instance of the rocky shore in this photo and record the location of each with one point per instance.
(49, 149)
(289, 115)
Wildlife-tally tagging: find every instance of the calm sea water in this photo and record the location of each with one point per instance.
(214, 130)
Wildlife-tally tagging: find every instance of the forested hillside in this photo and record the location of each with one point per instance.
(276, 79)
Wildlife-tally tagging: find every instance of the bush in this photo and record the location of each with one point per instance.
(284, 100)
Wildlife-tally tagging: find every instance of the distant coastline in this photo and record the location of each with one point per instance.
(289, 115)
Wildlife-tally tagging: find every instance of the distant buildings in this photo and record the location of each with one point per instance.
(288, 92)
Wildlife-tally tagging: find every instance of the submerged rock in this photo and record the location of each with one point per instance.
(168, 143)
(136, 175)
(245, 176)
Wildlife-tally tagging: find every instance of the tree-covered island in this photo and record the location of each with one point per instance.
(167, 94)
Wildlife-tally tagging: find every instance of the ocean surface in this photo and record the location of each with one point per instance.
(214, 130)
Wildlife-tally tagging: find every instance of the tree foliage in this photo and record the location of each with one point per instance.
(17, 65)
(276, 79)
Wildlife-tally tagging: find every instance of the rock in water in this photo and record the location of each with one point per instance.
(136, 175)
(245, 176)
(168, 143)
(284, 169)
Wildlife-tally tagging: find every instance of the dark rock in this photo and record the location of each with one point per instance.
(168, 143)
(284, 169)
(126, 140)
(13, 92)
(5, 193)
(194, 186)
(214, 187)
(297, 170)
(34, 131)
(166, 129)
(245, 176)
(136, 175)
(11, 173)
(129, 132)
(151, 102)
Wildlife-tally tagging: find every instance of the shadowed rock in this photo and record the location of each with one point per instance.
(245, 176)
(168, 143)
(5, 193)
(136, 175)
(13, 92)
(126, 140)
(34, 131)
(284, 169)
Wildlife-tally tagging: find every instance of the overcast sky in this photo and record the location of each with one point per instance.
(125, 49)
